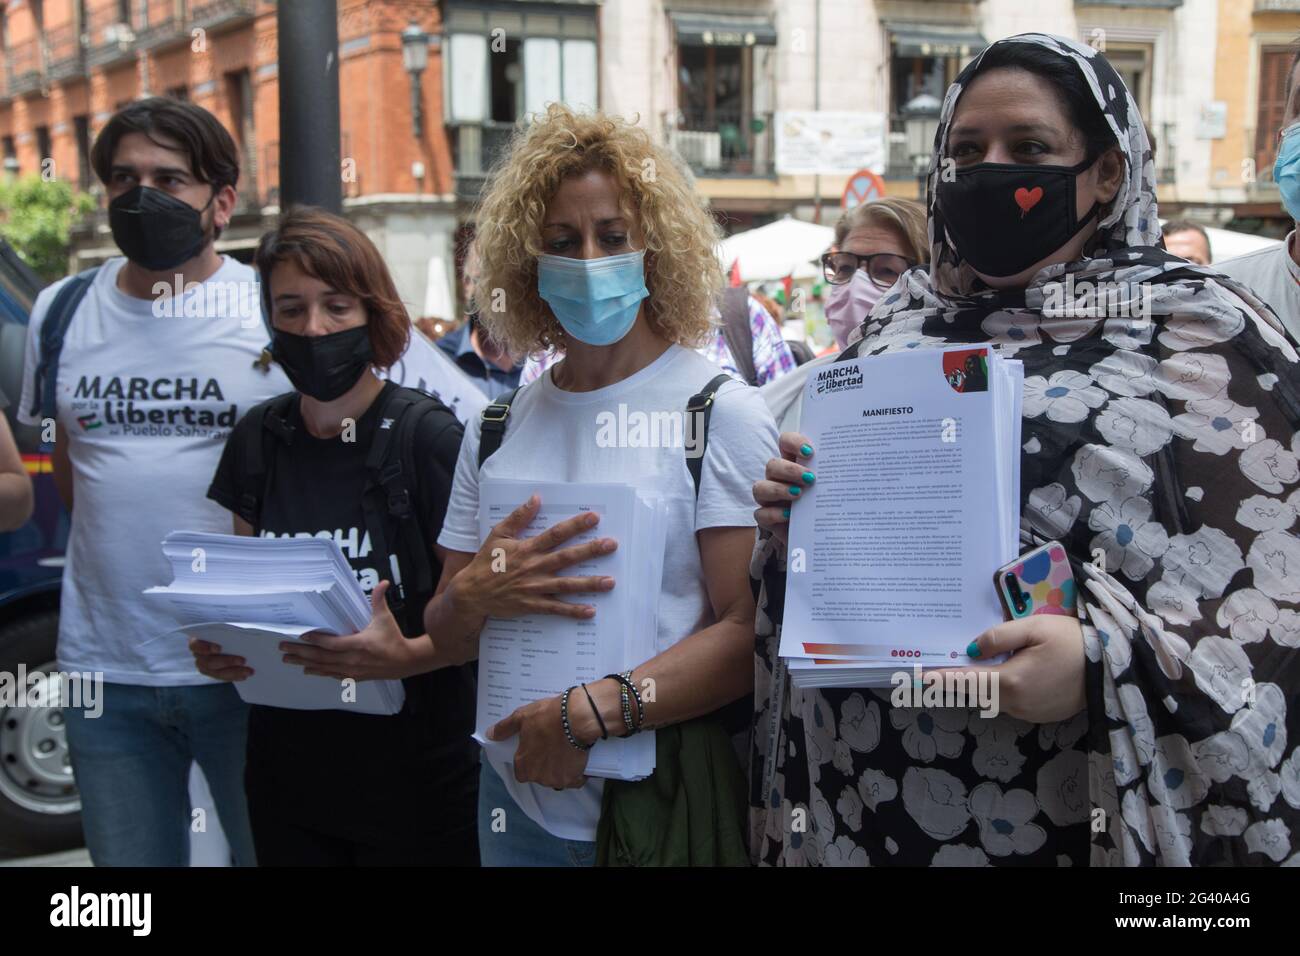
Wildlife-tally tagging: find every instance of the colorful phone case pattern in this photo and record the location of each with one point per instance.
(1046, 581)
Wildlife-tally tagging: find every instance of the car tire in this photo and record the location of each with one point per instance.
(39, 811)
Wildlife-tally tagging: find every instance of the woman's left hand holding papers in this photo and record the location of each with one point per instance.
(378, 652)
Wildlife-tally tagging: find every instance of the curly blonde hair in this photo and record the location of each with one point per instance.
(658, 194)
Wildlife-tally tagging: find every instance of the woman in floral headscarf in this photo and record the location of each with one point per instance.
(1161, 417)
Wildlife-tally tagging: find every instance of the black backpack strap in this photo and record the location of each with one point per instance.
(494, 419)
(269, 424)
(701, 404)
(386, 501)
(738, 332)
(57, 319)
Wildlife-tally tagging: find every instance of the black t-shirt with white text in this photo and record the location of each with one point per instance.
(375, 769)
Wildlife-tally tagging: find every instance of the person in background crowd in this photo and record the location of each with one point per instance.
(478, 356)
(620, 271)
(874, 244)
(411, 779)
(1149, 438)
(148, 387)
(1274, 273)
(773, 308)
(771, 352)
(1188, 240)
(15, 484)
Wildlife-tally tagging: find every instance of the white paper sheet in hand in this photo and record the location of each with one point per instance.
(893, 549)
(278, 684)
(533, 657)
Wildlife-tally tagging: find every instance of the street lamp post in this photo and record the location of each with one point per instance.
(415, 57)
(920, 124)
(310, 164)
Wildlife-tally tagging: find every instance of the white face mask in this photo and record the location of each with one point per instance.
(849, 304)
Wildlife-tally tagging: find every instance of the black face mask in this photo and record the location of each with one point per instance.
(323, 366)
(155, 230)
(1004, 217)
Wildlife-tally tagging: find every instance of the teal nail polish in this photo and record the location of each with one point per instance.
(785, 512)
(805, 450)
(973, 650)
(809, 477)
(794, 490)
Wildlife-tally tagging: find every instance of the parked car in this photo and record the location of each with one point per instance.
(40, 809)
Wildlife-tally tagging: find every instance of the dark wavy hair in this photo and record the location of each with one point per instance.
(329, 248)
(213, 155)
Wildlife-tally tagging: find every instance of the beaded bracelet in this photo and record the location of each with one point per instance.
(564, 719)
(625, 699)
(628, 687)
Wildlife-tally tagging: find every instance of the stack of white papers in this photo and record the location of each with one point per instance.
(530, 658)
(250, 594)
(915, 505)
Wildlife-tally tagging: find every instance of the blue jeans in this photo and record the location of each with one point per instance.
(523, 843)
(132, 765)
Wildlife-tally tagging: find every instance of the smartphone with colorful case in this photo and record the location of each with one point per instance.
(1037, 582)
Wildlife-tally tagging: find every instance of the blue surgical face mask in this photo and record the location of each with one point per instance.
(594, 300)
(1286, 171)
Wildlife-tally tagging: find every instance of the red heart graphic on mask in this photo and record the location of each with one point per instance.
(1027, 199)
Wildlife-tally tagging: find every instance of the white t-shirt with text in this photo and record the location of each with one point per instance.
(146, 402)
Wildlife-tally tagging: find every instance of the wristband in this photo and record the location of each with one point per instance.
(629, 688)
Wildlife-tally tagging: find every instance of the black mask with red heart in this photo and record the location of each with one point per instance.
(1004, 217)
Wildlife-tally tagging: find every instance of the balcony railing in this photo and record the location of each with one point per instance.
(23, 66)
(67, 53)
(217, 15)
(723, 143)
(109, 40)
(476, 148)
(162, 31)
(267, 175)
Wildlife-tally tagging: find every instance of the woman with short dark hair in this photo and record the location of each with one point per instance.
(330, 787)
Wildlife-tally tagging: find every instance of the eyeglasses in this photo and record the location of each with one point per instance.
(883, 268)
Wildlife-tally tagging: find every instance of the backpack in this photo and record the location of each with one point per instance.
(738, 333)
(387, 501)
(737, 716)
(57, 319)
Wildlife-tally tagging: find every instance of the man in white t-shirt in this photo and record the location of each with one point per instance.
(158, 362)
(1274, 273)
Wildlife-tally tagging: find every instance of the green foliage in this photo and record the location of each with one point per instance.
(36, 216)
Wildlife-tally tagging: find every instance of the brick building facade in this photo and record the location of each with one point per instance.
(68, 64)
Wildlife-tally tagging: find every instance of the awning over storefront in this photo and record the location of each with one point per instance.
(925, 39)
(709, 29)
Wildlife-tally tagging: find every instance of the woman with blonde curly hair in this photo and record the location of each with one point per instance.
(592, 239)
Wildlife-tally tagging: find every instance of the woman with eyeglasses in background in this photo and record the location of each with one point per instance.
(874, 245)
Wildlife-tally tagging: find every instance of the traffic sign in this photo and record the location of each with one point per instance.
(863, 186)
